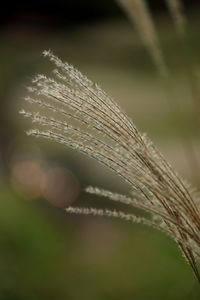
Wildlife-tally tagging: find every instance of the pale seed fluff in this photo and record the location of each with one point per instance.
(139, 13)
(72, 110)
(177, 12)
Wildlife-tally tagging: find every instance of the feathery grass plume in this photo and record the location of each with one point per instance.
(60, 104)
(139, 13)
(176, 9)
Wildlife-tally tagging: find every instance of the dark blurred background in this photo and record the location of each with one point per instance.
(44, 253)
(76, 12)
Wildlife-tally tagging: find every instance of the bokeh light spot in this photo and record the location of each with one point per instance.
(60, 187)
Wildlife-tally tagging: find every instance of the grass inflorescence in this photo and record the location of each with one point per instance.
(69, 100)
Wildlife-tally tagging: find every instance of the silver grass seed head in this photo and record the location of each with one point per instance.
(60, 105)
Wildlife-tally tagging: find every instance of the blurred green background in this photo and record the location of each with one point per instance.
(45, 253)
